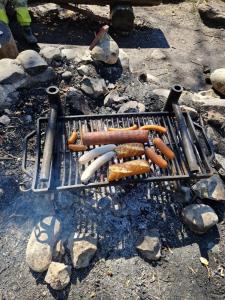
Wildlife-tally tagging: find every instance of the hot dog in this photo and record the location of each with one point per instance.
(72, 139)
(88, 156)
(157, 128)
(159, 144)
(129, 150)
(155, 158)
(114, 137)
(77, 148)
(130, 168)
(134, 127)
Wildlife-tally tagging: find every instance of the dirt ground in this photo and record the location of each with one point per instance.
(118, 216)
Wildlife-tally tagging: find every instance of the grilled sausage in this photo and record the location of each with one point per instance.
(163, 148)
(130, 150)
(155, 158)
(88, 156)
(72, 139)
(114, 137)
(93, 167)
(130, 168)
(134, 127)
(157, 128)
(77, 148)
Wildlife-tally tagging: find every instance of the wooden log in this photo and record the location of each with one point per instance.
(100, 2)
(8, 48)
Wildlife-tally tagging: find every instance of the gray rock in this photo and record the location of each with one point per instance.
(44, 10)
(218, 80)
(214, 118)
(211, 188)
(41, 243)
(67, 75)
(58, 251)
(213, 12)
(162, 92)
(113, 98)
(94, 87)
(131, 106)
(11, 72)
(199, 217)
(158, 54)
(8, 95)
(46, 77)
(153, 79)
(150, 246)
(124, 60)
(78, 101)
(5, 120)
(220, 164)
(106, 50)
(51, 53)
(193, 112)
(32, 62)
(69, 54)
(83, 70)
(184, 194)
(82, 250)
(7, 111)
(58, 275)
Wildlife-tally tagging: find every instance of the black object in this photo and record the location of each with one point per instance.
(68, 169)
(172, 104)
(28, 35)
(54, 101)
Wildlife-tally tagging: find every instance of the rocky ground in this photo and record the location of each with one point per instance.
(139, 240)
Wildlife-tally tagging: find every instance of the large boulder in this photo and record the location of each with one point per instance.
(11, 72)
(32, 62)
(212, 188)
(199, 217)
(93, 87)
(41, 243)
(82, 250)
(218, 80)
(106, 50)
(150, 246)
(58, 275)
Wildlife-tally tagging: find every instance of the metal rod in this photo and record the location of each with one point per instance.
(53, 97)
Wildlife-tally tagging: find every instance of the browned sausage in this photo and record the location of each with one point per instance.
(72, 139)
(134, 127)
(157, 128)
(163, 148)
(130, 168)
(114, 137)
(155, 158)
(77, 148)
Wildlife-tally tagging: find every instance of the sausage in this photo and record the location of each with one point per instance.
(134, 127)
(130, 168)
(77, 148)
(72, 139)
(93, 167)
(155, 158)
(157, 128)
(130, 150)
(88, 156)
(115, 137)
(159, 144)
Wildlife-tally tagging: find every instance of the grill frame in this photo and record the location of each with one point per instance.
(163, 118)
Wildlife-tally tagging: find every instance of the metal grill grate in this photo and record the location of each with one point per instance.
(66, 171)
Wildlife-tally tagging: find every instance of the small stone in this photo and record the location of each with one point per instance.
(132, 107)
(152, 78)
(212, 188)
(185, 194)
(11, 72)
(218, 80)
(106, 50)
(78, 101)
(162, 92)
(192, 112)
(58, 275)
(150, 246)
(82, 250)
(51, 53)
(5, 120)
(112, 98)
(45, 77)
(67, 75)
(214, 118)
(58, 251)
(124, 60)
(41, 243)
(69, 54)
(32, 62)
(94, 87)
(111, 86)
(158, 54)
(199, 217)
(83, 70)
(7, 111)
